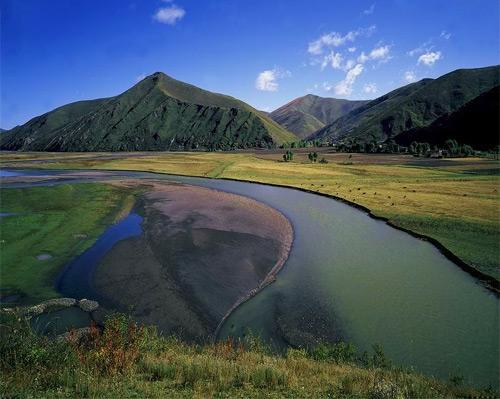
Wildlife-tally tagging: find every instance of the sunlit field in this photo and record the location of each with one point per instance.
(454, 201)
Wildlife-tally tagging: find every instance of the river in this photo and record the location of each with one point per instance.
(355, 278)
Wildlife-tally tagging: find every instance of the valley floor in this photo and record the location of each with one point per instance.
(454, 201)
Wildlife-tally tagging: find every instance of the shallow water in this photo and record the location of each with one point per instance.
(60, 321)
(355, 278)
(75, 280)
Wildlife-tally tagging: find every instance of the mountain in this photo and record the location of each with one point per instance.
(306, 114)
(477, 124)
(158, 113)
(411, 106)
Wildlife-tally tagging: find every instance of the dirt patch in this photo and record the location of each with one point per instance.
(203, 251)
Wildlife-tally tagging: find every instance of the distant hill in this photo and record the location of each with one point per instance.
(158, 113)
(413, 106)
(306, 114)
(477, 124)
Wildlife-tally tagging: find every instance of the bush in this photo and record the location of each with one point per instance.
(340, 352)
(377, 360)
(116, 349)
(21, 347)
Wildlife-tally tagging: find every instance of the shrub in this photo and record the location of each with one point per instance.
(116, 349)
(340, 352)
(266, 377)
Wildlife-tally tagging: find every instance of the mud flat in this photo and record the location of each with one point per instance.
(202, 251)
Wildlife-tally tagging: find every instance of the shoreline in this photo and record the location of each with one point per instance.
(256, 218)
(487, 281)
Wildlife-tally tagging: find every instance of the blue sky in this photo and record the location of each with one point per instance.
(264, 52)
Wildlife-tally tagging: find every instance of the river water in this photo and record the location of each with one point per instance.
(355, 278)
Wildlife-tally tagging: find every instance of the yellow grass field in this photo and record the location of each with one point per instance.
(454, 201)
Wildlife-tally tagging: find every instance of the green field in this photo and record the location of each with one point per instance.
(56, 223)
(455, 201)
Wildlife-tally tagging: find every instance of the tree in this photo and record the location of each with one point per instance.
(414, 147)
(452, 146)
(467, 150)
(313, 156)
(288, 156)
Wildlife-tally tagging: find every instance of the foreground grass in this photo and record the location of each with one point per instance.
(128, 361)
(454, 201)
(58, 222)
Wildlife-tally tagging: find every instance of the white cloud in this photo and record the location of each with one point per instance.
(268, 80)
(429, 58)
(344, 87)
(445, 35)
(335, 39)
(351, 49)
(369, 10)
(410, 76)
(349, 64)
(427, 46)
(169, 15)
(334, 59)
(379, 53)
(370, 88)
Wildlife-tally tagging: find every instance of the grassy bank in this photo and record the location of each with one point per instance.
(129, 361)
(454, 201)
(50, 226)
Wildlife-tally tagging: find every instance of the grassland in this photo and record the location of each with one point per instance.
(56, 223)
(129, 361)
(454, 201)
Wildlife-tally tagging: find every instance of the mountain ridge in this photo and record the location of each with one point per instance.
(480, 115)
(304, 115)
(412, 106)
(157, 113)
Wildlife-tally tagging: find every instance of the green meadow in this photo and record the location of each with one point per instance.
(50, 226)
(454, 201)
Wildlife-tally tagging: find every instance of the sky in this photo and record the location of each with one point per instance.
(264, 52)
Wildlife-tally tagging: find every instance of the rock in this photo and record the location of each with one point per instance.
(33, 311)
(87, 305)
(47, 306)
(62, 302)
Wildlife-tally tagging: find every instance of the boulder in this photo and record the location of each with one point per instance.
(87, 305)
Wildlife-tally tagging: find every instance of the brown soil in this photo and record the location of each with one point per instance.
(203, 251)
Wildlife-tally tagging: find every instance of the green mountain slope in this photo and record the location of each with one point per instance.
(412, 106)
(158, 113)
(306, 114)
(477, 124)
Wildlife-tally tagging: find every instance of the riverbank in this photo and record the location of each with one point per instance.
(454, 202)
(343, 280)
(127, 360)
(46, 228)
(201, 251)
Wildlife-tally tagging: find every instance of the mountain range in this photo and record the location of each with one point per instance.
(158, 113)
(410, 107)
(477, 123)
(161, 113)
(304, 115)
